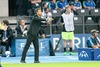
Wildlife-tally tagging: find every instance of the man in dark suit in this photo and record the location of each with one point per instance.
(6, 35)
(21, 29)
(34, 29)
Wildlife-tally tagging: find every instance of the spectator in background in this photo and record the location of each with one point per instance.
(93, 41)
(21, 29)
(33, 5)
(61, 4)
(52, 5)
(76, 5)
(36, 4)
(46, 13)
(6, 36)
(1, 28)
(89, 4)
(44, 6)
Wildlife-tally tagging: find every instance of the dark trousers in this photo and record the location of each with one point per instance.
(7, 44)
(34, 39)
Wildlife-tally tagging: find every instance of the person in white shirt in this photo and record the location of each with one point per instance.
(68, 31)
(46, 14)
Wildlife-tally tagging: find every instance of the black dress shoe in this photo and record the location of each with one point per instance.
(36, 61)
(22, 62)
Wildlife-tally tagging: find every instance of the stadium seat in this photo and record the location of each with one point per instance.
(90, 24)
(77, 19)
(98, 19)
(98, 4)
(88, 28)
(82, 11)
(95, 11)
(89, 19)
(78, 24)
(56, 13)
(78, 29)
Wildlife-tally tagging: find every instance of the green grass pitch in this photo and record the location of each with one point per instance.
(62, 64)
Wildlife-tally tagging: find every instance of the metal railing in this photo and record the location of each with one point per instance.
(56, 28)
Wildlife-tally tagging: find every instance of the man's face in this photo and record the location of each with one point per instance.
(96, 34)
(47, 11)
(68, 10)
(39, 13)
(22, 22)
(45, 6)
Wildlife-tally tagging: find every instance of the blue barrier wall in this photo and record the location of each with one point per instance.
(79, 42)
(18, 46)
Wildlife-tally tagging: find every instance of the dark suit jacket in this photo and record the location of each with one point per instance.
(9, 33)
(19, 31)
(35, 25)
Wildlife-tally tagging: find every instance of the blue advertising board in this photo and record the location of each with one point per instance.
(85, 54)
(18, 46)
(78, 42)
(96, 54)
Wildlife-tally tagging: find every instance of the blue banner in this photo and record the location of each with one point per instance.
(18, 46)
(78, 42)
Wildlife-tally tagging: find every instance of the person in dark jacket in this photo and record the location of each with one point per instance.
(34, 29)
(21, 29)
(6, 35)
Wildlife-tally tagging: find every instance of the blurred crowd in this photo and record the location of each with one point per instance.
(27, 7)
